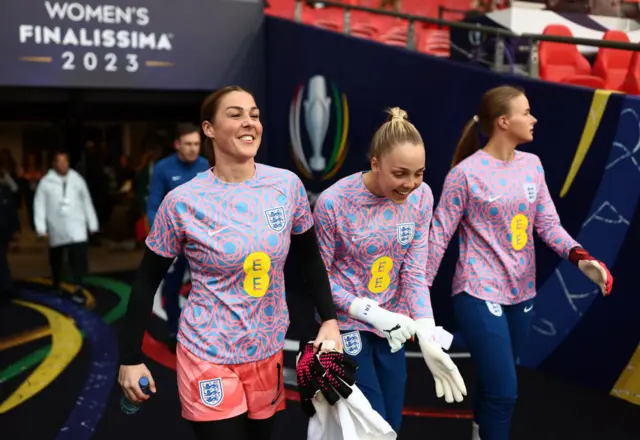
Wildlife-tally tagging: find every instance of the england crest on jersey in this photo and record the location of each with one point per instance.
(405, 233)
(352, 343)
(531, 192)
(211, 392)
(276, 218)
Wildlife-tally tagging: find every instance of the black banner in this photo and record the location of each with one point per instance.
(143, 44)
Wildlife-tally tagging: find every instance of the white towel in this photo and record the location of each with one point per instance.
(348, 419)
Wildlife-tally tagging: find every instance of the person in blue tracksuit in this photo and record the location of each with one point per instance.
(168, 174)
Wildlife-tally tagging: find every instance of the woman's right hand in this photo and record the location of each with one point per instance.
(128, 378)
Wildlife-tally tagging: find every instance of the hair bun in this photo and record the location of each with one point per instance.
(396, 113)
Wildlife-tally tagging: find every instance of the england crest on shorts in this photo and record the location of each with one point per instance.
(276, 218)
(494, 309)
(211, 392)
(405, 233)
(352, 343)
(531, 192)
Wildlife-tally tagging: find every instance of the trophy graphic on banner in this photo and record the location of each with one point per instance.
(318, 104)
(317, 113)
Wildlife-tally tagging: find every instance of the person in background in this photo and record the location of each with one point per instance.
(168, 174)
(63, 212)
(142, 180)
(9, 171)
(30, 175)
(9, 223)
(124, 172)
(143, 174)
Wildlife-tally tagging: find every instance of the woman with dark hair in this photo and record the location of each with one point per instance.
(234, 224)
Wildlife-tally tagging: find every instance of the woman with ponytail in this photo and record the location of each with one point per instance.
(498, 195)
(373, 231)
(468, 143)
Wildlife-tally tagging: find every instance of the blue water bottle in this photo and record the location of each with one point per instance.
(127, 406)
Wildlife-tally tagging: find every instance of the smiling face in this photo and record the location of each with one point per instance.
(399, 171)
(397, 158)
(236, 129)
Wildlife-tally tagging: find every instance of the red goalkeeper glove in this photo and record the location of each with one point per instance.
(594, 269)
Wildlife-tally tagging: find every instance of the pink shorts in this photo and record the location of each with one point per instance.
(210, 392)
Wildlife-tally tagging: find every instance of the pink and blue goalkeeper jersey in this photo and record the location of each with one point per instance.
(497, 205)
(373, 248)
(236, 237)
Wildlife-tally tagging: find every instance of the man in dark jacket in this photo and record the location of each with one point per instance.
(9, 227)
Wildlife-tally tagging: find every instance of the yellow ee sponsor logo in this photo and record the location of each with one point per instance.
(380, 279)
(256, 266)
(519, 238)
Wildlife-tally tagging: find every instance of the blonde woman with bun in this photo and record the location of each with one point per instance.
(372, 229)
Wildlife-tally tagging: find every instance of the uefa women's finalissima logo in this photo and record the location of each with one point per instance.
(321, 149)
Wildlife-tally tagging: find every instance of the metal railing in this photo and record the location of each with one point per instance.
(500, 34)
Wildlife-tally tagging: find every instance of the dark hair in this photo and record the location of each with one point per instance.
(395, 131)
(495, 103)
(186, 128)
(208, 112)
(59, 152)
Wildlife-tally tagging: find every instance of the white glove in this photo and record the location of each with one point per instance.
(395, 327)
(448, 381)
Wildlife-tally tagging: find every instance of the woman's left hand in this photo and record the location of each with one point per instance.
(329, 331)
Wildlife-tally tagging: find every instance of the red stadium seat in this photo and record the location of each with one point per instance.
(435, 42)
(612, 65)
(631, 83)
(562, 62)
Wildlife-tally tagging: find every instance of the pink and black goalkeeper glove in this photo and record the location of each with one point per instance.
(338, 369)
(306, 380)
(327, 371)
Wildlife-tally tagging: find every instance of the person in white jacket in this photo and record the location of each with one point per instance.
(63, 212)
